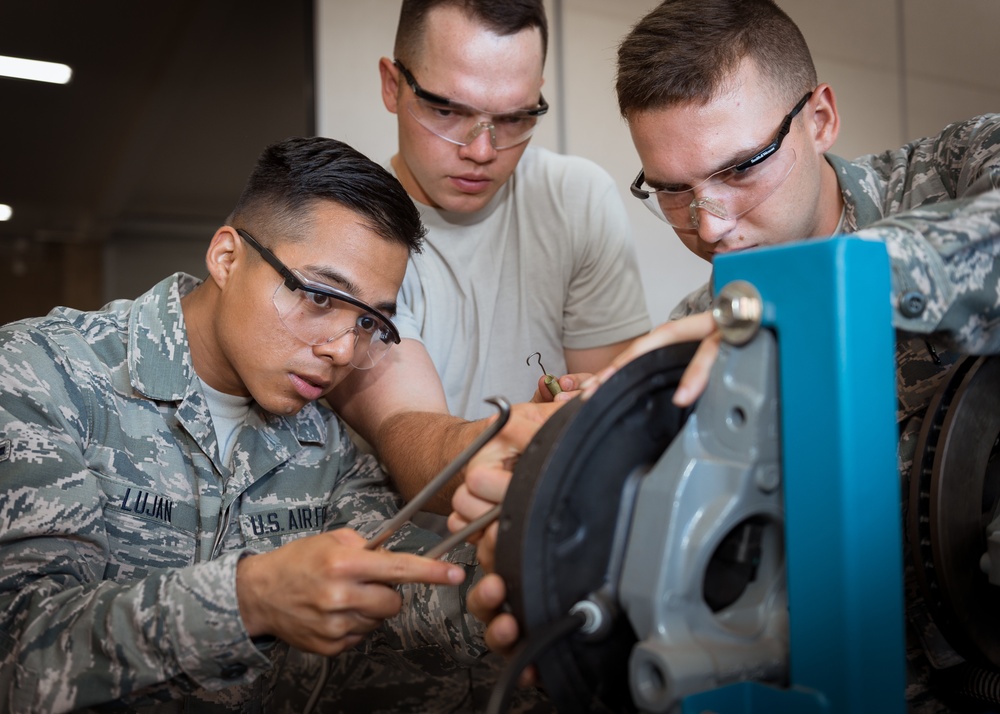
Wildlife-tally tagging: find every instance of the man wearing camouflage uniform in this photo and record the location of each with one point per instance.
(733, 130)
(934, 202)
(175, 506)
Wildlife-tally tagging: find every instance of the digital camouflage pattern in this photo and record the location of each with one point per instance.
(935, 204)
(120, 528)
(379, 678)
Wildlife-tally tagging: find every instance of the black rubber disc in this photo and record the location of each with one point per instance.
(560, 513)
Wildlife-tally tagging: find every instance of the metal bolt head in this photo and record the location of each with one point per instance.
(738, 310)
(768, 478)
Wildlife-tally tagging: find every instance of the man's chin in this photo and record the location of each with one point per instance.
(464, 203)
(458, 201)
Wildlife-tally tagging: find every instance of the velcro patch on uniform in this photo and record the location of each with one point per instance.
(296, 518)
(4, 449)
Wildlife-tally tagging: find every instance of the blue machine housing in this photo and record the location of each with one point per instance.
(828, 302)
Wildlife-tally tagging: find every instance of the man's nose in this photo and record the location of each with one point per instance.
(482, 144)
(339, 348)
(710, 218)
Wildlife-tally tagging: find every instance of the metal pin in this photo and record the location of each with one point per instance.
(550, 381)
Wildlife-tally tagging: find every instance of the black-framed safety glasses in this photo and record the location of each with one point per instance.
(742, 186)
(315, 312)
(461, 123)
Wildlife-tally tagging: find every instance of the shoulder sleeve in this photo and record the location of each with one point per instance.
(60, 619)
(944, 246)
(694, 302)
(410, 305)
(605, 302)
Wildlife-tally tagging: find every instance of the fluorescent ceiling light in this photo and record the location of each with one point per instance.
(5, 212)
(35, 70)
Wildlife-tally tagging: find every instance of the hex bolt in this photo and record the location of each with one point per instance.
(738, 310)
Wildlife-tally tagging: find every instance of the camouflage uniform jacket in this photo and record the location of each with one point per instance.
(935, 203)
(120, 527)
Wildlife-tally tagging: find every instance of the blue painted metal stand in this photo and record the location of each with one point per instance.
(828, 302)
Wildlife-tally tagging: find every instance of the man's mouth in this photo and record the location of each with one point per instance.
(471, 183)
(309, 387)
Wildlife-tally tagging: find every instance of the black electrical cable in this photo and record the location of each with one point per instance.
(526, 653)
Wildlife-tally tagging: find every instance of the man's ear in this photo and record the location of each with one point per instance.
(224, 252)
(390, 84)
(824, 118)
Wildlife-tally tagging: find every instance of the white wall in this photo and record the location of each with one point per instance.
(888, 91)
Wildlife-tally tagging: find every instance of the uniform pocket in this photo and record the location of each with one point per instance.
(146, 531)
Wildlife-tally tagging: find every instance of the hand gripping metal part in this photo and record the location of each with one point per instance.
(551, 383)
(439, 481)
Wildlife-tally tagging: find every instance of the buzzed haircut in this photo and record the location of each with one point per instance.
(291, 176)
(504, 17)
(685, 51)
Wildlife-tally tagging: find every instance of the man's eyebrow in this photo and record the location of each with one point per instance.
(462, 106)
(334, 278)
(741, 155)
(736, 157)
(338, 280)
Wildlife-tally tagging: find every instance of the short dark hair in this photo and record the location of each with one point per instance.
(504, 17)
(292, 175)
(684, 51)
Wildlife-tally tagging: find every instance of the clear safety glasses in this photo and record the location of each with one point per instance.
(726, 194)
(318, 314)
(461, 124)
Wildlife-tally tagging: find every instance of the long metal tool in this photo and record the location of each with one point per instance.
(459, 536)
(438, 482)
(407, 512)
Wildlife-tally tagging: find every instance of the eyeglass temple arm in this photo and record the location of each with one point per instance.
(420, 91)
(291, 281)
(636, 186)
(438, 482)
(774, 145)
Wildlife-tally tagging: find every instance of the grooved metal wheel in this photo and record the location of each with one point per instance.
(954, 495)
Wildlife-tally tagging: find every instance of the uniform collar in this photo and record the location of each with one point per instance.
(862, 207)
(159, 356)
